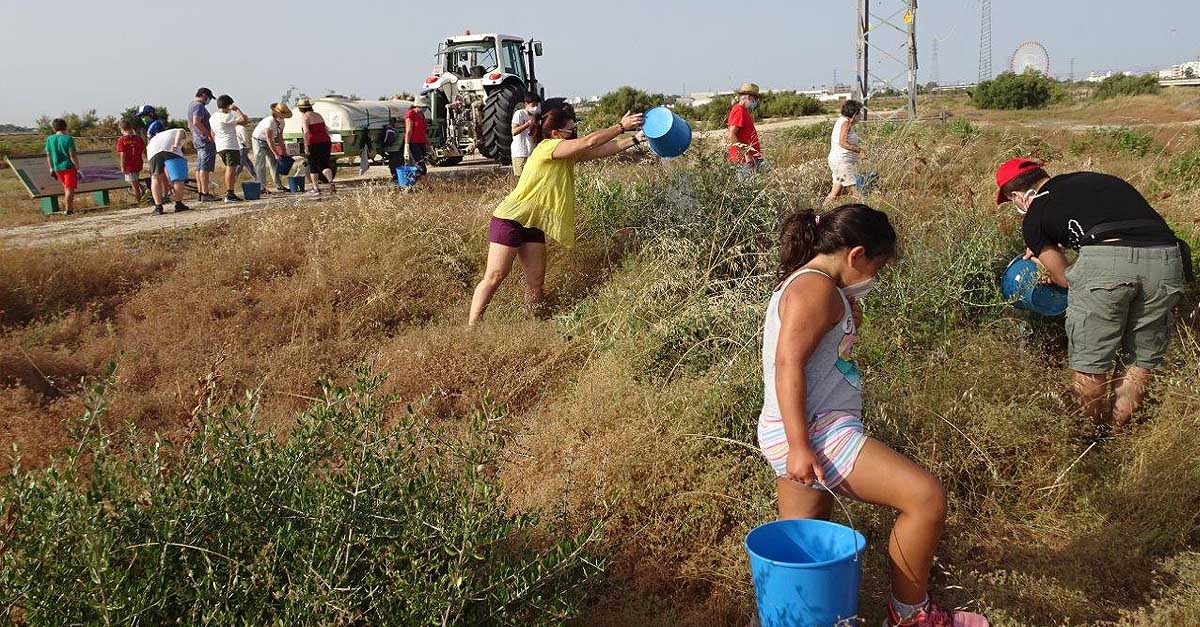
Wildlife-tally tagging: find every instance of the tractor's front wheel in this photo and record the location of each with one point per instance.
(498, 109)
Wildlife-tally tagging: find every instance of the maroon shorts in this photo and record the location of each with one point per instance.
(510, 233)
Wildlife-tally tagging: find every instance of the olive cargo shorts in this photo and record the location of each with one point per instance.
(1120, 306)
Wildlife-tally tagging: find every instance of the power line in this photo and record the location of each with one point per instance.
(985, 40)
(933, 71)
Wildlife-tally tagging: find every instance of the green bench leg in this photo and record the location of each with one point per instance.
(100, 198)
(49, 204)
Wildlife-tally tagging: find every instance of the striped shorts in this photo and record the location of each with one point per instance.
(836, 437)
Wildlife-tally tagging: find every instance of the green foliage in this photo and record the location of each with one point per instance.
(77, 123)
(627, 98)
(1182, 172)
(963, 128)
(1121, 140)
(1028, 90)
(787, 105)
(354, 517)
(1126, 85)
(809, 132)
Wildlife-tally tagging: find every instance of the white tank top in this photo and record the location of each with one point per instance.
(836, 152)
(831, 378)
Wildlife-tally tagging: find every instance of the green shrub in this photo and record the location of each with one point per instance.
(1127, 85)
(787, 105)
(1182, 172)
(809, 132)
(627, 98)
(963, 128)
(1124, 140)
(1028, 90)
(354, 517)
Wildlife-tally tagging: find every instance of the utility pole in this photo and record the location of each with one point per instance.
(933, 71)
(835, 79)
(867, 24)
(985, 40)
(1071, 76)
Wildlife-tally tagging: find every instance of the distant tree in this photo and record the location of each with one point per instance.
(1188, 72)
(14, 128)
(77, 123)
(1027, 90)
(787, 105)
(627, 98)
(1126, 85)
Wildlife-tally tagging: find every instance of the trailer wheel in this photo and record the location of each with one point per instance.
(498, 111)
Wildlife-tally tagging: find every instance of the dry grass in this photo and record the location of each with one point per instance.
(634, 403)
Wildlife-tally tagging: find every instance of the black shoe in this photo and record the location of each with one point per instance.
(179, 206)
(158, 210)
(232, 197)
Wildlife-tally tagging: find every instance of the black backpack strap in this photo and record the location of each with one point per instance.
(1106, 228)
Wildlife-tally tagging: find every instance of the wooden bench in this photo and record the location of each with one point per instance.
(100, 169)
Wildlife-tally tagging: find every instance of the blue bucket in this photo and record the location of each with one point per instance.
(406, 175)
(1020, 283)
(806, 572)
(251, 190)
(866, 182)
(284, 165)
(177, 169)
(296, 183)
(668, 133)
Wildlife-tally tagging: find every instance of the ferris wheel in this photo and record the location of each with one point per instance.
(1031, 54)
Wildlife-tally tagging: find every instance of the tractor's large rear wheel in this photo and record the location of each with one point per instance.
(496, 141)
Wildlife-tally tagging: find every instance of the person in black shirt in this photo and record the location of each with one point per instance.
(1129, 275)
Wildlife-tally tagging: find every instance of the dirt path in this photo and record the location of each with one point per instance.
(125, 222)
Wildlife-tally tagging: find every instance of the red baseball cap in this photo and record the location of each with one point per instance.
(1010, 170)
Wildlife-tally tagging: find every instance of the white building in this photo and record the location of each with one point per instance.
(1191, 69)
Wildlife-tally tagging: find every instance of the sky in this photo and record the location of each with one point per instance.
(75, 55)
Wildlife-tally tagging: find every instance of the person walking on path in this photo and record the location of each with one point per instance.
(225, 124)
(166, 146)
(524, 119)
(845, 150)
(62, 158)
(131, 149)
(810, 429)
(416, 137)
(745, 148)
(543, 203)
(1129, 275)
(269, 148)
(317, 146)
(204, 141)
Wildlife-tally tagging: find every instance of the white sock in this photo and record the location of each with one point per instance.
(906, 611)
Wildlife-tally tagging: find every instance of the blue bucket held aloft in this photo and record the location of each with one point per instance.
(806, 572)
(177, 169)
(252, 190)
(1021, 284)
(406, 175)
(284, 165)
(296, 183)
(669, 135)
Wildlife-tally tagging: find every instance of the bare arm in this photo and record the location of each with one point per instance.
(203, 126)
(809, 308)
(577, 148)
(242, 119)
(520, 128)
(610, 149)
(844, 139)
(1054, 261)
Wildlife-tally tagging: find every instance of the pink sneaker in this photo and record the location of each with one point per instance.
(935, 615)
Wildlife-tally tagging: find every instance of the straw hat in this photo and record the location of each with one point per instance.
(282, 110)
(748, 89)
(420, 101)
(304, 103)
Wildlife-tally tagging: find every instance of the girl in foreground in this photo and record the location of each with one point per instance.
(811, 427)
(543, 202)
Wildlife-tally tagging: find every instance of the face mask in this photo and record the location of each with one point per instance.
(859, 290)
(753, 105)
(569, 133)
(535, 110)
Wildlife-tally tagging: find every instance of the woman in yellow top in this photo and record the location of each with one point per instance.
(543, 202)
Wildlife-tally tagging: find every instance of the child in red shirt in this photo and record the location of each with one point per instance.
(131, 149)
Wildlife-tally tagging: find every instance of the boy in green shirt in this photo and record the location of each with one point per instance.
(63, 160)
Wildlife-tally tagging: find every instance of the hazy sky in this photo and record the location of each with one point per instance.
(73, 55)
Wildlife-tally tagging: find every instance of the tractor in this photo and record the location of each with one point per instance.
(478, 83)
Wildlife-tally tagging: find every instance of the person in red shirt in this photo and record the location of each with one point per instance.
(132, 151)
(744, 147)
(416, 138)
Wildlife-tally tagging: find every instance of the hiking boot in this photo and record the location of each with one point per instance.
(179, 206)
(232, 197)
(158, 210)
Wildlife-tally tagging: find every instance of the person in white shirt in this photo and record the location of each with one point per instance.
(224, 127)
(523, 121)
(845, 150)
(269, 149)
(166, 146)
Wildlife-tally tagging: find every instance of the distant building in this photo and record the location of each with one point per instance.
(1094, 77)
(841, 96)
(1191, 69)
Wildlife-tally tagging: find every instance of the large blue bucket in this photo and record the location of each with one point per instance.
(295, 184)
(1020, 283)
(177, 169)
(406, 175)
(806, 573)
(251, 190)
(284, 165)
(669, 135)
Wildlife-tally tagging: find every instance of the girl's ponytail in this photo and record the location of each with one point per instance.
(805, 234)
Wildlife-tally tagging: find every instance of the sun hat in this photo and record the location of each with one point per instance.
(145, 110)
(304, 103)
(420, 101)
(1010, 170)
(748, 89)
(282, 109)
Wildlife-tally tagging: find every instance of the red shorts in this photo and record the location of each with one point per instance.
(512, 234)
(68, 178)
